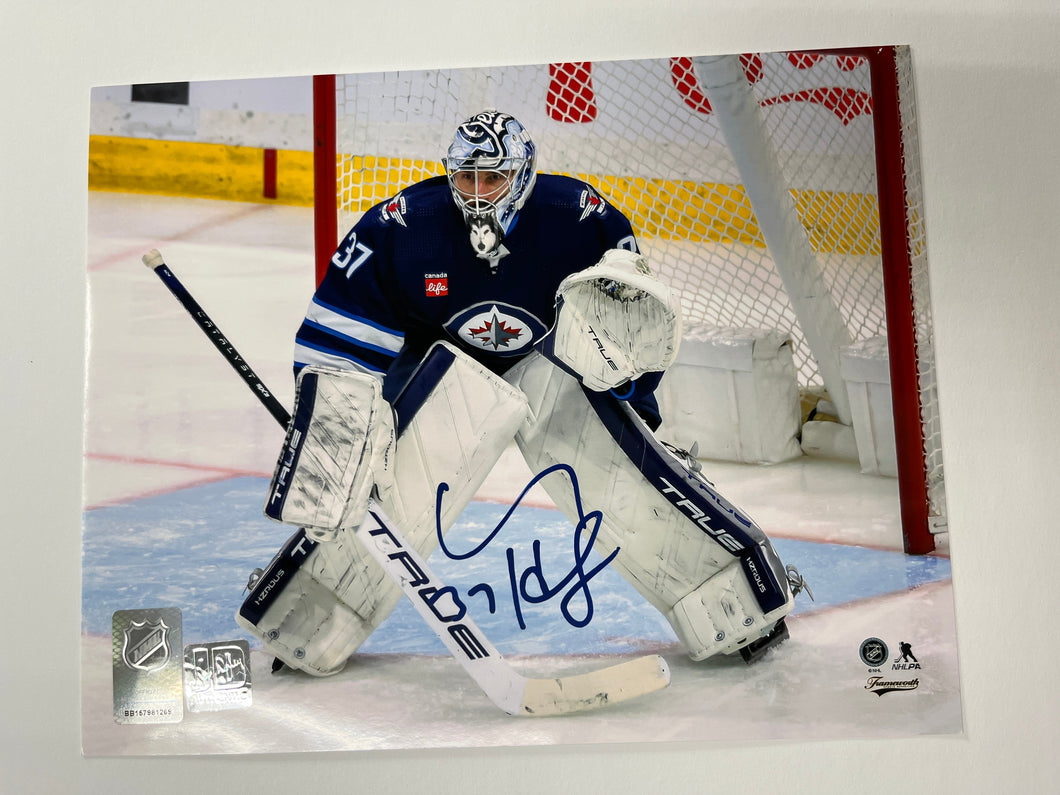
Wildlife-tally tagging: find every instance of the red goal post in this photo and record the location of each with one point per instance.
(830, 201)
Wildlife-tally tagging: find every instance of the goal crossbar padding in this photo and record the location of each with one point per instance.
(740, 118)
(734, 393)
(455, 419)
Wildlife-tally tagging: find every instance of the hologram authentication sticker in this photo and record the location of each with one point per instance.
(146, 655)
(217, 675)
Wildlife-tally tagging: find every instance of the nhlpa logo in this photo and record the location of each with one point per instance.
(497, 328)
(394, 210)
(146, 645)
(591, 202)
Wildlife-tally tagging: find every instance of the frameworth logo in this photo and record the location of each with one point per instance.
(880, 686)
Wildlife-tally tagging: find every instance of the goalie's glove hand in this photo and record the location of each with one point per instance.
(615, 321)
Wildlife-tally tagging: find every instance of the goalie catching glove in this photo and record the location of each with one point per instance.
(615, 321)
(339, 446)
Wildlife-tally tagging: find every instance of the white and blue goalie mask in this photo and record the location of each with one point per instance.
(490, 166)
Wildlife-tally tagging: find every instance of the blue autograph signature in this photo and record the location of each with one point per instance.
(531, 585)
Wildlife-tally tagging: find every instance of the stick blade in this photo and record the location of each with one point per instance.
(564, 695)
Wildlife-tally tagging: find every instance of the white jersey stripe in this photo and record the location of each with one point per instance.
(304, 355)
(353, 329)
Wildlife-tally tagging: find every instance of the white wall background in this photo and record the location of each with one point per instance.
(989, 88)
(264, 112)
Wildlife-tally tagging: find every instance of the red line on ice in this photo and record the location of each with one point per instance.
(217, 473)
(139, 251)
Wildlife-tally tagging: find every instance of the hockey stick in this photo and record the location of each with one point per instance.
(439, 604)
(154, 261)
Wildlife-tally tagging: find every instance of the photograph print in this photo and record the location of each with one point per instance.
(568, 403)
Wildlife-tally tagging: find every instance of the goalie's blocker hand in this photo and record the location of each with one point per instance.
(339, 447)
(615, 321)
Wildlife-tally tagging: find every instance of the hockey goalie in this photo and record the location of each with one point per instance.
(489, 306)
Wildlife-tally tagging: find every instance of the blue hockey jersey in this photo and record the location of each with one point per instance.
(405, 276)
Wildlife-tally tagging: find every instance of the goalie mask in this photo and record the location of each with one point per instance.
(490, 166)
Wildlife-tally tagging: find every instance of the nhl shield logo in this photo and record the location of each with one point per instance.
(146, 645)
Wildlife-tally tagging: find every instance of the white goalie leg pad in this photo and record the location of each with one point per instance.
(693, 555)
(295, 609)
(338, 446)
(455, 418)
(615, 321)
(722, 615)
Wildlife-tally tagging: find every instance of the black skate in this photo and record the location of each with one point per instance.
(752, 651)
(755, 649)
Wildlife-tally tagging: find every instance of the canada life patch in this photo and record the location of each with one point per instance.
(436, 284)
(498, 328)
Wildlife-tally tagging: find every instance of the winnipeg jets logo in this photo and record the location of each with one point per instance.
(496, 332)
(496, 328)
(591, 202)
(394, 210)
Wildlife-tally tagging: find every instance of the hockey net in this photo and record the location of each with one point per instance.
(646, 135)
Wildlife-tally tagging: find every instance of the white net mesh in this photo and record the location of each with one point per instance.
(642, 132)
